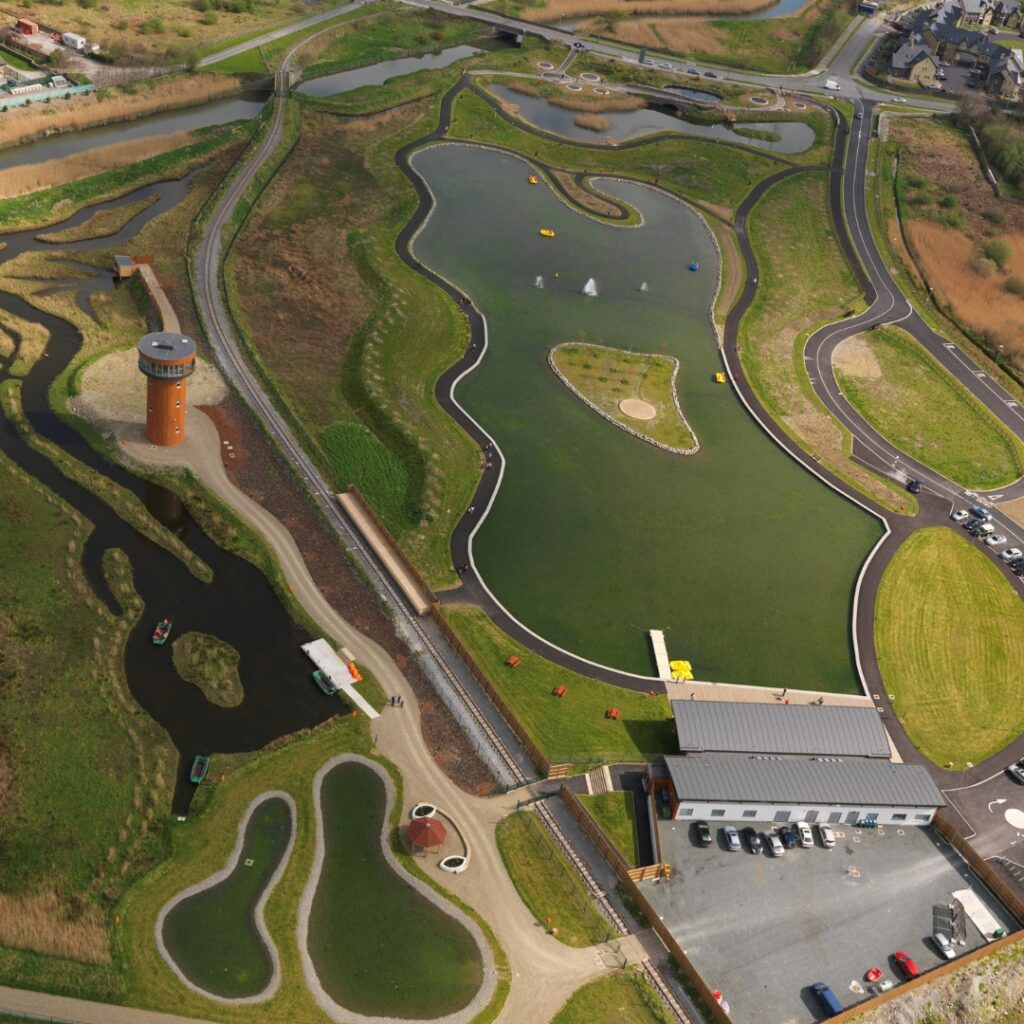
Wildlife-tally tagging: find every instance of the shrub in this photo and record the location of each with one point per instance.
(154, 26)
(995, 216)
(1014, 285)
(210, 17)
(983, 267)
(947, 202)
(998, 252)
(915, 181)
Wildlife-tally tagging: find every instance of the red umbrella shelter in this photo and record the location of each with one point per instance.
(426, 832)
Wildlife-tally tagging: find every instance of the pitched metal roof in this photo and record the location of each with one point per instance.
(706, 725)
(867, 784)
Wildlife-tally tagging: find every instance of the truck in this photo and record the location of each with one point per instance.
(73, 41)
(830, 83)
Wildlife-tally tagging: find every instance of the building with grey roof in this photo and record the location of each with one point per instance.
(764, 788)
(706, 726)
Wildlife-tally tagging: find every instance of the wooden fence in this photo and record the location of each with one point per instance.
(629, 877)
(543, 765)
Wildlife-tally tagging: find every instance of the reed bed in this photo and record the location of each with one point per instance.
(592, 122)
(554, 10)
(47, 924)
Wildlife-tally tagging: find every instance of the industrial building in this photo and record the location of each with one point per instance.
(758, 762)
(167, 360)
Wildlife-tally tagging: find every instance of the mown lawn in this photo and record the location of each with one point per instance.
(620, 998)
(616, 815)
(548, 883)
(949, 630)
(572, 728)
(924, 411)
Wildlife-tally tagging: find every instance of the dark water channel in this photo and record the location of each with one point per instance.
(239, 606)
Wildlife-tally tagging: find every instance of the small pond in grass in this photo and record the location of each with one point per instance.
(786, 136)
(212, 935)
(379, 947)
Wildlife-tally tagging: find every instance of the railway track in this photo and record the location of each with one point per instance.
(221, 336)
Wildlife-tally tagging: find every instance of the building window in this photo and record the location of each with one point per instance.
(685, 812)
(178, 384)
(922, 817)
(717, 812)
(782, 815)
(899, 817)
(750, 814)
(835, 817)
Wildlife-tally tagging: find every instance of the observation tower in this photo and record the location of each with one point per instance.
(166, 359)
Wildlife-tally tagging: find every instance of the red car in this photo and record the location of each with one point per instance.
(905, 965)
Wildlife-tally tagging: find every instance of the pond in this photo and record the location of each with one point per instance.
(792, 136)
(214, 934)
(378, 74)
(379, 945)
(743, 557)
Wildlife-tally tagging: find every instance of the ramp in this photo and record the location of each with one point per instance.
(323, 656)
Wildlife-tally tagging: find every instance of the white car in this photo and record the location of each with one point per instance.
(995, 540)
(826, 835)
(805, 835)
(960, 515)
(944, 946)
(1010, 554)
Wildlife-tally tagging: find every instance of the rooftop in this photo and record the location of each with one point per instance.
(705, 725)
(163, 346)
(731, 778)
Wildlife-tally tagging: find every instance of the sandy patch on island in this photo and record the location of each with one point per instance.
(637, 409)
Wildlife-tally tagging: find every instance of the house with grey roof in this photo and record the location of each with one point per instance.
(914, 61)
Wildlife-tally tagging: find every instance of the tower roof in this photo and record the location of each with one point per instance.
(166, 347)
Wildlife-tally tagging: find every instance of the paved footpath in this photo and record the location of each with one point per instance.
(43, 1006)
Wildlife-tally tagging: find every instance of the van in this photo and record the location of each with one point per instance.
(827, 999)
(832, 84)
(984, 530)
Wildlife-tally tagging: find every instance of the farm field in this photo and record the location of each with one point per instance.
(957, 692)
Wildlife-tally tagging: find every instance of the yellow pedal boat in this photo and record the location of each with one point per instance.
(532, 179)
(547, 233)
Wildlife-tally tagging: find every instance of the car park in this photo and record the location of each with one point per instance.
(961, 515)
(732, 839)
(905, 965)
(703, 833)
(944, 946)
(788, 837)
(754, 842)
(995, 540)
(980, 513)
(827, 999)
(914, 486)
(1010, 554)
(775, 847)
(1016, 771)
(804, 834)
(826, 835)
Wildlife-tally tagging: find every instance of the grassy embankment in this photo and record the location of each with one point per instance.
(571, 729)
(804, 282)
(621, 998)
(73, 738)
(212, 665)
(100, 224)
(949, 630)
(205, 841)
(616, 815)
(608, 376)
(548, 884)
(924, 411)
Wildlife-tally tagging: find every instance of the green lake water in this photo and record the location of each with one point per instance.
(379, 947)
(745, 559)
(212, 936)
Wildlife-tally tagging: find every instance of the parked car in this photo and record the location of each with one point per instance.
(980, 513)
(914, 486)
(944, 946)
(804, 834)
(775, 847)
(710, 74)
(984, 530)
(665, 66)
(1017, 565)
(827, 999)
(693, 71)
(703, 832)
(994, 540)
(788, 837)
(961, 515)
(1016, 771)
(1010, 554)
(826, 835)
(754, 842)
(732, 839)
(905, 965)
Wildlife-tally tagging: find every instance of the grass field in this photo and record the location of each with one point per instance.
(949, 630)
(63, 699)
(607, 376)
(212, 665)
(804, 281)
(615, 813)
(924, 411)
(548, 883)
(571, 729)
(620, 998)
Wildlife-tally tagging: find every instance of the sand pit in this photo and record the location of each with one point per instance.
(637, 409)
(113, 391)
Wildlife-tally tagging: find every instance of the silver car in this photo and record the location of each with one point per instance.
(732, 839)
(804, 834)
(826, 835)
(944, 946)
(774, 844)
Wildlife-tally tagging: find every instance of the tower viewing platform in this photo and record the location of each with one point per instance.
(167, 360)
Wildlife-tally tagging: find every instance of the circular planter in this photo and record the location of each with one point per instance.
(455, 864)
(423, 811)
